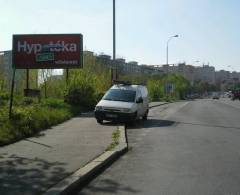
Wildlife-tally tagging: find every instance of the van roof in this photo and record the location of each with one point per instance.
(126, 87)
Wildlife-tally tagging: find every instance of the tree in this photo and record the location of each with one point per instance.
(44, 75)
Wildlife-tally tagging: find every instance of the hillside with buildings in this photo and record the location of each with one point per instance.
(204, 73)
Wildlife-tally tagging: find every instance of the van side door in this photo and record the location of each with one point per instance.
(145, 99)
(140, 109)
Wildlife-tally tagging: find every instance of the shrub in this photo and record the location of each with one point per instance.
(30, 119)
(27, 101)
(99, 96)
(4, 97)
(54, 103)
(81, 90)
(81, 96)
(155, 89)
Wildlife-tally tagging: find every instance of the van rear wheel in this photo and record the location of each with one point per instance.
(145, 115)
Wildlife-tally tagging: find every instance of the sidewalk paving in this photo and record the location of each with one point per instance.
(33, 165)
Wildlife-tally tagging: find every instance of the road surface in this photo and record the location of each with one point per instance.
(184, 148)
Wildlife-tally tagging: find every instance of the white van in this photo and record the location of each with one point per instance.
(123, 103)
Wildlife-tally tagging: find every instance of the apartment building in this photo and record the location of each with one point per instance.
(222, 76)
(6, 70)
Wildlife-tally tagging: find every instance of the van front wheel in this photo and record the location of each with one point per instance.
(100, 121)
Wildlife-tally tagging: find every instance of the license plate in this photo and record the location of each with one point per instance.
(111, 115)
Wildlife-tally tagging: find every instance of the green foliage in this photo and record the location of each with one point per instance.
(115, 140)
(157, 92)
(85, 88)
(137, 79)
(156, 83)
(54, 103)
(2, 82)
(4, 97)
(202, 87)
(54, 85)
(25, 101)
(155, 89)
(31, 117)
(81, 89)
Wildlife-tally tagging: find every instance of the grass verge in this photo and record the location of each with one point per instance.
(29, 118)
(115, 140)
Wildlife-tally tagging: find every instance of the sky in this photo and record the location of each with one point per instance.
(208, 29)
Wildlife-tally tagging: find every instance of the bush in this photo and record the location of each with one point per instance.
(4, 97)
(54, 103)
(99, 96)
(81, 96)
(30, 119)
(81, 90)
(155, 89)
(27, 101)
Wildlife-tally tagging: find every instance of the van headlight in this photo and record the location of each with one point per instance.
(126, 110)
(99, 108)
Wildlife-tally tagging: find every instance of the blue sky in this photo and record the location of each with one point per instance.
(208, 29)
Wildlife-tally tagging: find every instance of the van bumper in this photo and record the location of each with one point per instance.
(115, 116)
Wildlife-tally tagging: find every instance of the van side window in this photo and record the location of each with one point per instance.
(138, 94)
(141, 94)
(144, 91)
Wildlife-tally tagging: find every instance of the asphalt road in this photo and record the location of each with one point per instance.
(185, 148)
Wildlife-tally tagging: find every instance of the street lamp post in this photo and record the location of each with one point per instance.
(167, 45)
(114, 69)
(169, 84)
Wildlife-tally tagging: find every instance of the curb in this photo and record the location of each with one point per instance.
(82, 176)
(160, 104)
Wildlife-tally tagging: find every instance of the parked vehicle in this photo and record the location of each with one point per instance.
(216, 96)
(123, 102)
(235, 94)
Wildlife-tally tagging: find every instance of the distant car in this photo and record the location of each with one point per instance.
(216, 96)
(123, 102)
(235, 94)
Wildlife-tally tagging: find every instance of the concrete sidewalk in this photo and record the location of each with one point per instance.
(33, 165)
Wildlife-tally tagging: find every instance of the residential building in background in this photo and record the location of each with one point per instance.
(7, 71)
(192, 73)
(222, 76)
(205, 73)
(6, 67)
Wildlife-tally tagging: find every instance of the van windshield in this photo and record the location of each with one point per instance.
(120, 95)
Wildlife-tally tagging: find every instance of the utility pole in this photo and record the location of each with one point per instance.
(167, 46)
(114, 68)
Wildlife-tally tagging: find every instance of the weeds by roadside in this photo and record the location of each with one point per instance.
(115, 140)
(30, 117)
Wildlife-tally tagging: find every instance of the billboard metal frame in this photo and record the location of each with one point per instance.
(42, 64)
(46, 65)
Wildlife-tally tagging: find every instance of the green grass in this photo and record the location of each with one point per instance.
(115, 140)
(30, 117)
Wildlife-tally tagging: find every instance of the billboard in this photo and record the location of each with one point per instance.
(47, 51)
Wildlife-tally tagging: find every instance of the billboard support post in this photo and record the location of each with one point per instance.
(11, 97)
(27, 78)
(67, 76)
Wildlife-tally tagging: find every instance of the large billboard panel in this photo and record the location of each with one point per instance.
(47, 51)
